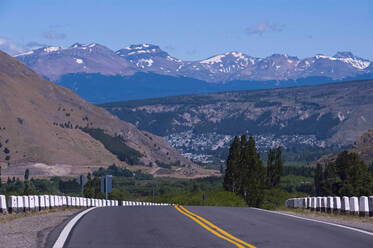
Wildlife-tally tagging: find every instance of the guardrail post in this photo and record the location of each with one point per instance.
(363, 206)
(3, 206)
(336, 204)
(42, 202)
(354, 205)
(345, 208)
(370, 203)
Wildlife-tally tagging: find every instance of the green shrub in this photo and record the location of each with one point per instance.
(215, 198)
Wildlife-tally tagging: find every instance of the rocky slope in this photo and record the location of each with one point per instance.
(41, 127)
(53, 62)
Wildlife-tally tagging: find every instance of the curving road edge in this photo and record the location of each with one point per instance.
(319, 221)
(66, 231)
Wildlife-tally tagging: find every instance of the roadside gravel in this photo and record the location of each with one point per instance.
(30, 231)
(364, 223)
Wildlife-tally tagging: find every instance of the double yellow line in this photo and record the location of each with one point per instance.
(213, 229)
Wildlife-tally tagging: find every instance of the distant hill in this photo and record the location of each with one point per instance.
(323, 116)
(51, 130)
(363, 146)
(98, 88)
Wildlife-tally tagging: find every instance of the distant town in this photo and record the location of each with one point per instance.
(202, 148)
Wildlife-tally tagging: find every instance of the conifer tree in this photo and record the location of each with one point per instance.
(278, 168)
(252, 175)
(27, 174)
(319, 177)
(232, 170)
(270, 168)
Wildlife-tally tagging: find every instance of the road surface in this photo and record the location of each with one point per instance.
(165, 227)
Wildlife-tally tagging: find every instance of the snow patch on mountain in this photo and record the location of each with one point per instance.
(79, 61)
(353, 61)
(25, 53)
(52, 49)
(213, 60)
(142, 63)
(357, 63)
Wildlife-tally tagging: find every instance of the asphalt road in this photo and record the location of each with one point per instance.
(165, 227)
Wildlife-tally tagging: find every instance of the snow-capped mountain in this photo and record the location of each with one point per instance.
(238, 66)
(150, 58)
(53, 62)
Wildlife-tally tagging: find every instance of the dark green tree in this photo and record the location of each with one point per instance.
(97, 187)
(278, 168)
(232, 170)
(270, 168)
(353, 172)
(27, 190)
(252, 176)
(349, 175)
(329, 184)
(319, 179)
(89, 191)
(27, 174)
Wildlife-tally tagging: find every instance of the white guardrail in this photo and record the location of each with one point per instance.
(18, 204)
(362, 206)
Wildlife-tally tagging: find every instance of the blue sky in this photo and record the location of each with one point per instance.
(192, 30)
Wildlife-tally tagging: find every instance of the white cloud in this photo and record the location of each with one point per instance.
(53, 35)
(263, 27)
(13, 48)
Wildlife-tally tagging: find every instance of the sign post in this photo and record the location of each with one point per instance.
(153, 193)
(82, 180)
(106, 185)
(204, 199)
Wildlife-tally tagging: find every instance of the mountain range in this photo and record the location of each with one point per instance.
(101, 75)
(53, 62)
(318, 117)
(54, 132)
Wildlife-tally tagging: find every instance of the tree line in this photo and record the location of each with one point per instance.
(245, 173)
(348, 175)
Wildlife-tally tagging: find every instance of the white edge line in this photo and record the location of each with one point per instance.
(60, 242)
(318, 221)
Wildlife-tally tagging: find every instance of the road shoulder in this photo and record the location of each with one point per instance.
(363, 223)
(31, 231)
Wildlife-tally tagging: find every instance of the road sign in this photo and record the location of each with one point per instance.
(82, 180)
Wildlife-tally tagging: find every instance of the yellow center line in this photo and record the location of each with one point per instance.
(217, 228)
(214, 229)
